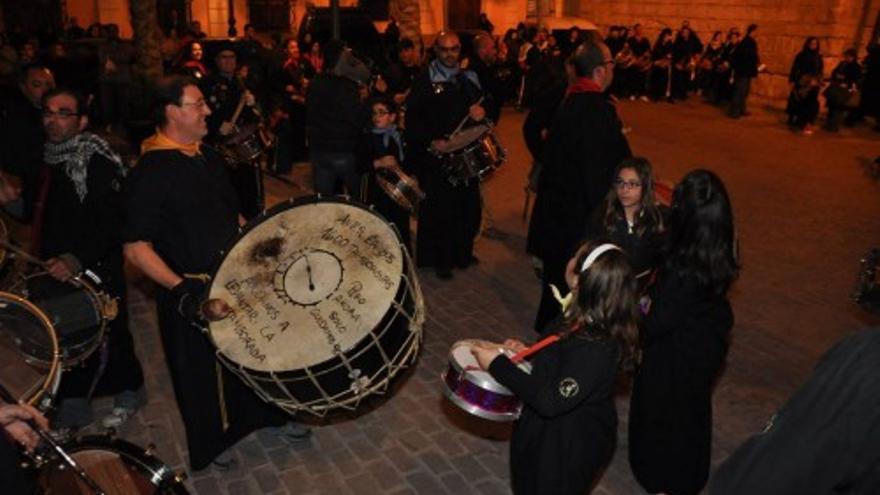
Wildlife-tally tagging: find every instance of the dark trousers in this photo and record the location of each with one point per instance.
(248, 184)
(549, 308)
(741, 88)
(329, 167)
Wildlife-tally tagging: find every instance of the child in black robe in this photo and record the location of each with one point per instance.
(565, 433)
(380, 153)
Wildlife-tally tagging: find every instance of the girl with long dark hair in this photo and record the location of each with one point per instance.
(684, 341)
(565, 433)
(630, 217)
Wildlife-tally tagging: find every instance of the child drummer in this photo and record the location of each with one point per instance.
(565, 433)
(380, 151)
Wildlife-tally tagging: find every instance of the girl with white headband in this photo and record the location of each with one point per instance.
(565, 433)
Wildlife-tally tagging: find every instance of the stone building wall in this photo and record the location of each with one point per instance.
(783, 26)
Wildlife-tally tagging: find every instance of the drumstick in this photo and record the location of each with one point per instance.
(9, 399)
(24, 254)
(466, 117)
(528, 351)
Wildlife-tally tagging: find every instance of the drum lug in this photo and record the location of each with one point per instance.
(151, 448)
(180, 476)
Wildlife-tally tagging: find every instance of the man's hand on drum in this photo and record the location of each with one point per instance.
(477, 113)
(226, 128)
(62, 268)
(387, 161)
(13, 420)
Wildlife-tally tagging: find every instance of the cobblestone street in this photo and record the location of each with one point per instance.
(806, 210)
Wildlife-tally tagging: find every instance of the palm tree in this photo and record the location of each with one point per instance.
(147, 39)
(409, 20)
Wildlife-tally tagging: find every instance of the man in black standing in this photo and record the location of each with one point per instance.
(233, 116)
(181, 211)
(744, 63)
(449, 217)
(483, 64)
(401, 74)
(584, 145)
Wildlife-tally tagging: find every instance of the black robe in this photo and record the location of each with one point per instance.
(449, 217)
(659, 82)
(565, 433)
(825, 439)
(584, 146)
(370, 148)
(806, 76)
(187, 209)
(684, 344)
(21, 147)
(91, 230)
(643, 251)
(491, 86)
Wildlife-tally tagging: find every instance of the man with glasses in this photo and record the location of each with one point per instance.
(21, 142)
(225, 92)
(583, 147)
(441, 99)
(80, 229)
(181, 212)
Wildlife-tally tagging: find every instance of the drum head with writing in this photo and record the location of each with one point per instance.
(306, 283)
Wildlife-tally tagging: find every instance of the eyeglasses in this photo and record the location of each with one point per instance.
(198, 104)
(62, 114)
(624, 184)
(377, 113)
(449, 49)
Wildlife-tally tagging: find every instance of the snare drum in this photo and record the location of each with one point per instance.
(472, 154)
(30, 359)
(118, 467)
(77, 310)
(474, 390)
(401, 188)
(251, 142)
(326, 305)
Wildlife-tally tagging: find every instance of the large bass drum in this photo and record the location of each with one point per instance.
(30, 358)
(118, 467)
(326, 306)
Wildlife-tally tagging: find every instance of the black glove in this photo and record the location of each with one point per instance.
(188, 298)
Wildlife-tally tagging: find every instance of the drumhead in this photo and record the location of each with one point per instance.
(29, 353)
(466, 137)
(307, 281)
(461, 354)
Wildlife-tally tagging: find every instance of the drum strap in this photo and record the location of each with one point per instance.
(224, 418)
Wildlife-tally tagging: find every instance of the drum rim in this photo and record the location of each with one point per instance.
(157, 471)
(94, 296)
(55, 364)
(406, 262)
(477, 410)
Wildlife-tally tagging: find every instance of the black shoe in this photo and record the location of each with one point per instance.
(225, 462)
(292, 432)
(443, 274)
(469, 262)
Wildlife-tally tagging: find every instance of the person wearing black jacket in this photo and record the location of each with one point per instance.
(824, 439)
(483, 64)
(565, 433)
(846, 79)
(684, 341)
(181, 212)
(335, 119)
(449, 217)
(584, 146)
(81, 229)
(660, 81)
(744, 62)
(805, 79)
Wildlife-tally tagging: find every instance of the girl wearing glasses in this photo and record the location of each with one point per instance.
(630, 217)
(684, 341)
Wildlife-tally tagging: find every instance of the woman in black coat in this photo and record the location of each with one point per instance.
(806, 80)
(565, 433)
(660, 82)
(684, 341)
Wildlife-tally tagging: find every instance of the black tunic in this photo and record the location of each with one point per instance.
(825, 439)
(187, 209)
(491, 86)
(643, 251)
(371, 148)
(21, 146)
(584, 146)
(91, 230)
(565, 433)
(684, 344)
(449, 217)
(806, 76)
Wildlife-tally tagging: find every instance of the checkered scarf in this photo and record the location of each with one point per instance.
(75, 154)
